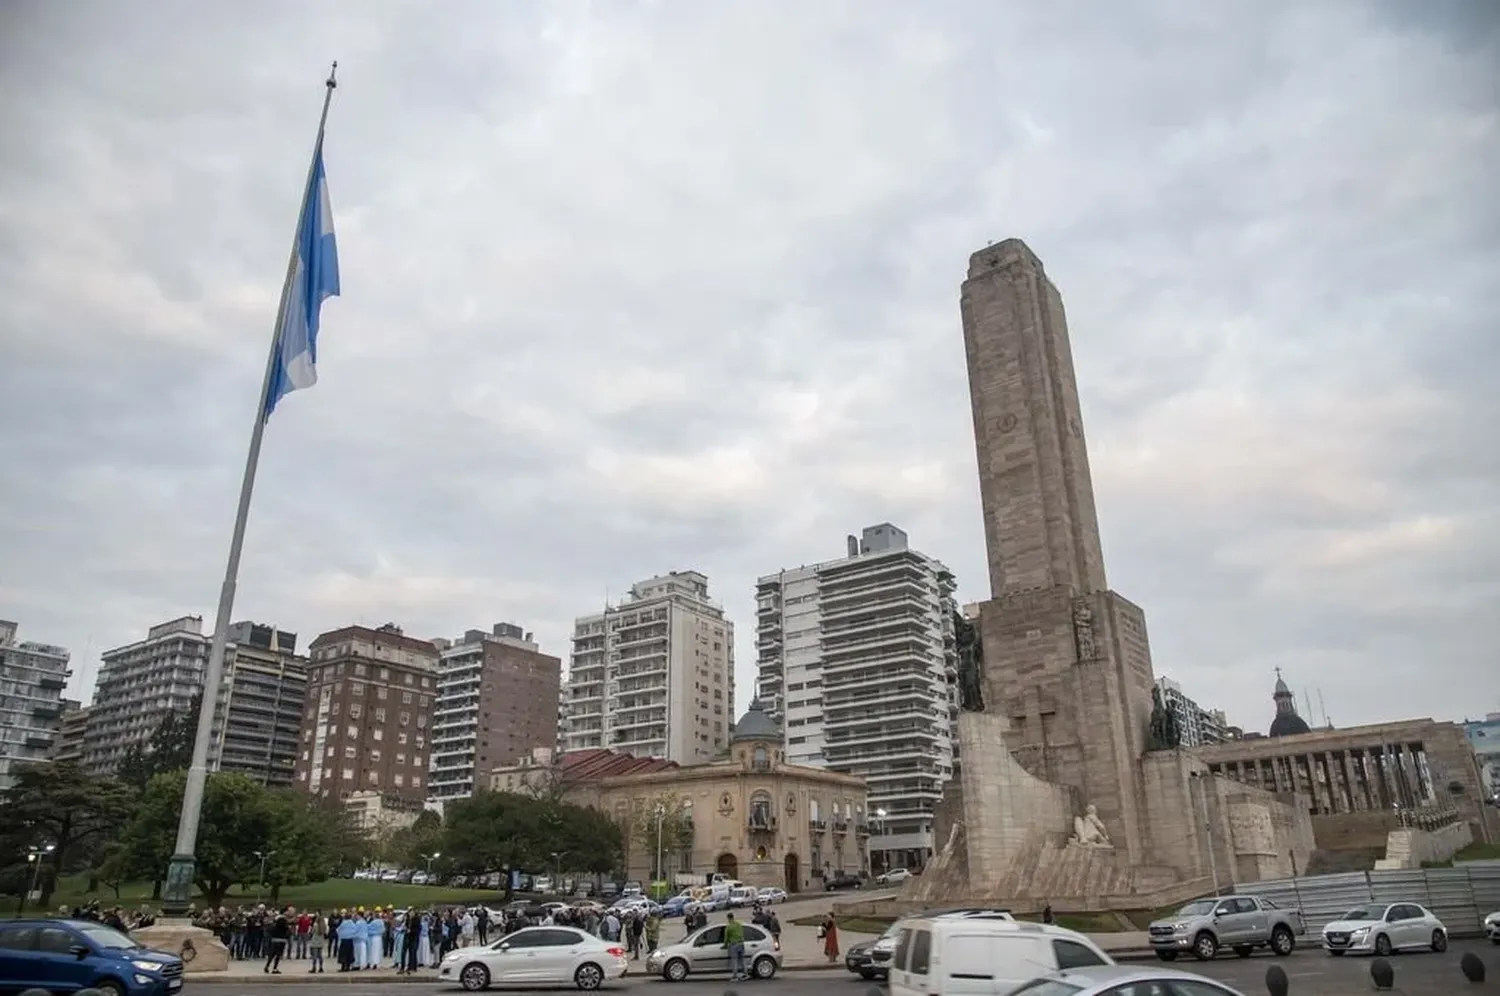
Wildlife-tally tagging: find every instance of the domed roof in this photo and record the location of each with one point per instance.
(755, 724)
(1289, 724)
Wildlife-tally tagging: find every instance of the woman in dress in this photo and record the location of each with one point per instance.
(830, 932)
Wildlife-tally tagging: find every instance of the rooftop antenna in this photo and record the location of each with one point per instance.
(1307, 704)
(1323, 709)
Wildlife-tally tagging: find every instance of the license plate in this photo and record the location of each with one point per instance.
(174, 984)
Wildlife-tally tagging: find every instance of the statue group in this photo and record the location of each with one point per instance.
(1164, 733)
(970, 663)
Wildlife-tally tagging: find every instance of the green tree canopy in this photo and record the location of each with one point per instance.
(60, 805)
(667, 812)
(169, 748)
(497, 831)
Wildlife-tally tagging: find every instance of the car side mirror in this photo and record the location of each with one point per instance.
(79, 951)
(504, 947)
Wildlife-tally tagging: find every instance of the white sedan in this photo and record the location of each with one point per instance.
(535, 957)
(771, 896)
(1381, 928)
(1492, 927)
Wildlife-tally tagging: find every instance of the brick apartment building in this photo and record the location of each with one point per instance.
(367, 723)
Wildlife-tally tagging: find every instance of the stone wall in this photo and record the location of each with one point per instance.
(1408, 848)
(1354, 831)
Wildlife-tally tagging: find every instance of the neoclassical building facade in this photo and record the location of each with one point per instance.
(749, 815)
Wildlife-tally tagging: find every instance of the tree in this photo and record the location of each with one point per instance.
(669, 812)
(493, 832)
(240, 817)
(409, 846)
(61, 805)
(169, 748)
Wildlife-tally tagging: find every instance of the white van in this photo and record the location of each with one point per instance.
(943, 956)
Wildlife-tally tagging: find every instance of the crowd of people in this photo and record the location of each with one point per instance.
(114, 916)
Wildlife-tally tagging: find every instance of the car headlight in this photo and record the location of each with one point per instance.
(1361, 932)
(149, 966)
(1492, 919)
(1179, 927)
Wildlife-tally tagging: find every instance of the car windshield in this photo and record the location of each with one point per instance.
(107, 937)
(1371, 912)
(1198, 907)
(1048, 987)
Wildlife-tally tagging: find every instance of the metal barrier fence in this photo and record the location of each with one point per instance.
(1461, 896)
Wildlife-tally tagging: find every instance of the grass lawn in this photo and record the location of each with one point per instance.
(331, 894)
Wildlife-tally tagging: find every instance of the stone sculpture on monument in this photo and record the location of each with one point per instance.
(1055, 676)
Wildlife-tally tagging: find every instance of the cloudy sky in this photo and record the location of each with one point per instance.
(636, 286)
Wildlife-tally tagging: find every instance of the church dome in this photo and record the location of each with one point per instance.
(1289, 725)
(755, 724)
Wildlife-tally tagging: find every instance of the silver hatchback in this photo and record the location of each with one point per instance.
(704, 951)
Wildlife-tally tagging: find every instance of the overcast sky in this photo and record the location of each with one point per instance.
(640, 286)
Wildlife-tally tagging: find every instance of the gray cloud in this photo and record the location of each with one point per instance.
(638, 287)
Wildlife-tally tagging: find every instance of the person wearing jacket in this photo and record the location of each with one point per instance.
(348, 930)
(374, 941)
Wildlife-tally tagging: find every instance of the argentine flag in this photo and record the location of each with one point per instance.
(314, 279)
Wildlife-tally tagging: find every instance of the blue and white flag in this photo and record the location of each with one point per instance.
(314, 279)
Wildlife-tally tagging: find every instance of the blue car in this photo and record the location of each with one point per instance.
(64, 956)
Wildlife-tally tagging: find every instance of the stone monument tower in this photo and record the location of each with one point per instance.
(1069, 788)
(1067, 661)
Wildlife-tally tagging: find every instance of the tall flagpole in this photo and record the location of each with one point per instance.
(178, 890)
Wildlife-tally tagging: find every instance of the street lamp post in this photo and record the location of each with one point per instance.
(557, 885)
(430, 858)
(878, 818)
(34, 856)
(661, 814)
(264, 856)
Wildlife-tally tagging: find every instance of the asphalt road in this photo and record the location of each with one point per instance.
(1311, 972)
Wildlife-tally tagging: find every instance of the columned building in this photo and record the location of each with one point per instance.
(258, 709)
(857, 660)
(654, 675)
(497, 699)
(32, 679)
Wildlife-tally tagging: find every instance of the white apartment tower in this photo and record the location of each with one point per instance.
(32, 679)
(856, 657)
(139, 684)
(654, 675)
(1198, 726)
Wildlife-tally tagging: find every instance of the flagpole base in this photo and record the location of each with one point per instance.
(177, 890)
(199, 948)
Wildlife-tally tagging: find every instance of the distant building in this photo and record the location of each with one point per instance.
(1287, 723)
(368, 716)
(68, 748)
(32, 678)
(139, 685)
(375, 813)
(857, 657)
(654, 675)
(1197, 725)
(1484, 735)
(258, 711)
(497, 696)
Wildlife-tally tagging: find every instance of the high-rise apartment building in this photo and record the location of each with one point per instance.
(654, 675)
(367, 720)
(139, 685)
(32, 678)
(68, 747)
(1196, 725)
(857, 659)
(258, 711)
(496, 702)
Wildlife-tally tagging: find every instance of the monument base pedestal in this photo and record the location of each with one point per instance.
(200, 949)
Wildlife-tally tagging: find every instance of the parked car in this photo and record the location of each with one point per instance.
(950, 954)
(1492, 927)
(1108, 980)
(841, 881)
(771, 896)
(857, 959)
(893, 877)
(1380, 928)
(68, 955)
(703, 951)
(1204, 927)
(537, 957)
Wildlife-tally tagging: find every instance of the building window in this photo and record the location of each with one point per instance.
(416, 781)
(398, 780)
(353, 732)
(401, 758)
(406, 698)
(354, 710)
(405, 719)
(380, 715)
(378, 734)
(760, 760)
(401, 738)
(375, 756)
(760, 811)
(360, 670)
(348, 753)
(381, 693)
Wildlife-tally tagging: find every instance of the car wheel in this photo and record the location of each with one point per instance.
(109, 987)
(764, 967)
(1244, 950)
(675, 970)
(1205, 947)
(474, 977)
(1282, 942)
(1335, 954)
(1383, 946)
(588, 977)
(868, 975)
(1167, 955)
(1439, 941)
